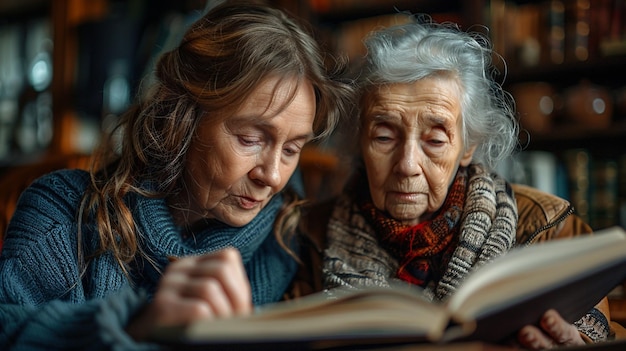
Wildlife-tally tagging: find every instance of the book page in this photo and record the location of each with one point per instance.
(364, 313)
(529, 268)
(570, 275)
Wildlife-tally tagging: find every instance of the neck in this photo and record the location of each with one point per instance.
(180, 208)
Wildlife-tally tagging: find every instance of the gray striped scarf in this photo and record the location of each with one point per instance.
(354, 258)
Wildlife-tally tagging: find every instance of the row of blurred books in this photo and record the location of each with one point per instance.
(558, 31)
(595, 185)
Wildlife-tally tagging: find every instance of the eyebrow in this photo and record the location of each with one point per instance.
(438, 120)
(377, 116)
(430, 118)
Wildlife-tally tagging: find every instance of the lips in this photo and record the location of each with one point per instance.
(404, 196)
(248, 203)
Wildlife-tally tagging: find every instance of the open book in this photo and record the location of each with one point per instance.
(570, 275)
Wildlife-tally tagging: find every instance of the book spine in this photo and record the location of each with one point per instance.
(621, 161)
(604, 200)
(554, 50)
(577, 163)
(577, 30)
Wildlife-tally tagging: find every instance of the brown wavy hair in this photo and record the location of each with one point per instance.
(221, 59)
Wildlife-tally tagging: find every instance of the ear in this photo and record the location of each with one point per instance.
(467, 157)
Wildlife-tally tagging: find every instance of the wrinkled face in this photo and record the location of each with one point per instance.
(235, 166)
(412, 146)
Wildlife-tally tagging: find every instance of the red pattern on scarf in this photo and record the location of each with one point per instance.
(428, 243)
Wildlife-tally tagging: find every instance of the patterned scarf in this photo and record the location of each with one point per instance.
(425, 248)
(365, 247)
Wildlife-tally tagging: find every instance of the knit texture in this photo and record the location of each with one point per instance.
(485, 229)
(424, 248)
(354, 257)
(45, 305)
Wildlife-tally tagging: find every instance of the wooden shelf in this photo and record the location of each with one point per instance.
(563, 137)
(354, 10)
(601, 69)
(15, 9)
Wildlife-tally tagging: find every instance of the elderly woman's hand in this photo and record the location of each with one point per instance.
(196, 287)
(554, 332)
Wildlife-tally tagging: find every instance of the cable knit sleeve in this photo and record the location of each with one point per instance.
(58, 325)
(44, 303)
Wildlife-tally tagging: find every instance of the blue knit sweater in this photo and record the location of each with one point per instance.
(44, 304)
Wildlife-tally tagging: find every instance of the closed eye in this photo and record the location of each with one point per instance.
(248, 140)
(292, 150)
(436, 137)
(383, 139)
(383, 133)
(436, 142)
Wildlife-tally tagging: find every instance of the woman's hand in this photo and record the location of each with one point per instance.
(554, 332)
(196, 287)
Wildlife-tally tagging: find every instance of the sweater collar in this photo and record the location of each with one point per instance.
(161, 237)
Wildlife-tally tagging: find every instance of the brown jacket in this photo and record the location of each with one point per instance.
(541, 217)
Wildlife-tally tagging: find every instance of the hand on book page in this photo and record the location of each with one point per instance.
(497, 300)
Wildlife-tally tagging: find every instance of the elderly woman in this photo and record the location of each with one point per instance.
(203, 178)
(424, 205)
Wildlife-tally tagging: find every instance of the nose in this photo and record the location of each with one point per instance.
(409, 159)
(267, 170)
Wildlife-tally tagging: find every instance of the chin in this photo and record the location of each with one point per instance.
(409, 222)
(408, 216)
(239, 221)
(236, 224)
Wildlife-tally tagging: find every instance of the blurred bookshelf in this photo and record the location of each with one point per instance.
(59, 71)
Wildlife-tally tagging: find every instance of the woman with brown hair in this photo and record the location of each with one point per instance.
(202, 177)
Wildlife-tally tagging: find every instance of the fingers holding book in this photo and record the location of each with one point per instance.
(554, 332)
